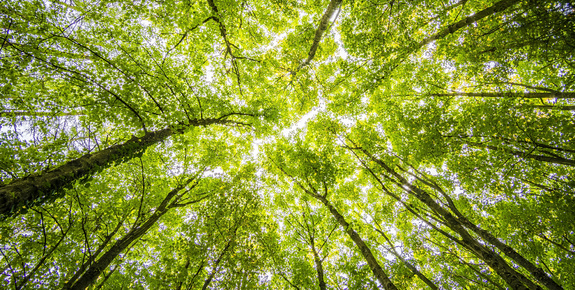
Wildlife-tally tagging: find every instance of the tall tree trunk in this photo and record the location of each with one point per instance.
(535, 144)
(42, 187)
(452, 28)
(323, 23)
(310, 240)
(185, 270)
(38, 114)
(271, 251)
(555, 107)
(106, 277)
(192, 281)
(537, 272)
(96, 269)
(411, 267)
(513, 278)
(463, 261)
(225, 250)
(318, 268)
(101, 247)
(103, 262)
(365, 251)
(549, 95)
(549, 159)
(497, 7)
(216, 264)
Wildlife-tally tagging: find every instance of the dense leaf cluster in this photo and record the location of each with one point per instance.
(219, 144)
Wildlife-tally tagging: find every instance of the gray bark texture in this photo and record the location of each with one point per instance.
(323, 24)
(556, 95)
(365, 251)
(411, 267)
(497, 7)
(513, 278)
(41, 187)
(95, 270)
(521, 154)
(318, 268)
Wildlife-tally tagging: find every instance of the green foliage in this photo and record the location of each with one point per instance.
(396, 134)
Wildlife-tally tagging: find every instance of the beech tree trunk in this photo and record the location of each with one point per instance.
(513, 278)
(497, 7)
(216, 264)
(452, 28)
(411, 267)
(224, 251)
(323, 23)
(548, 159)
(365, 251)
(318, 268)
(41, 187)
(96, 269)
(101, 247)
(103, 262)
(537, 272)
(552, 107)
(549, 95)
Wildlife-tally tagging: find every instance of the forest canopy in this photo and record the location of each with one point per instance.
(217, 144)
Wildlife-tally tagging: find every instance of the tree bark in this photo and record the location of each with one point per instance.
(549, 95)
(497, 7)
(38, 114)
(323, 24)
(310, 240)
(318, 268)
(548, 159)
(365, 251)
(216, 264)
(469, 265)
(411, 267)
(45, 186)
(513, 278)
(553, 107)
(535, 144)
(96, 269)
(537, 272)
(101, 247)
(450, 29)
(224, 251)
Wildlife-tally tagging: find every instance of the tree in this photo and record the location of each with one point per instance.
(35, 189)
(287, 145)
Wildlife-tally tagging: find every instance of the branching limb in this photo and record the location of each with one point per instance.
(323, 24)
